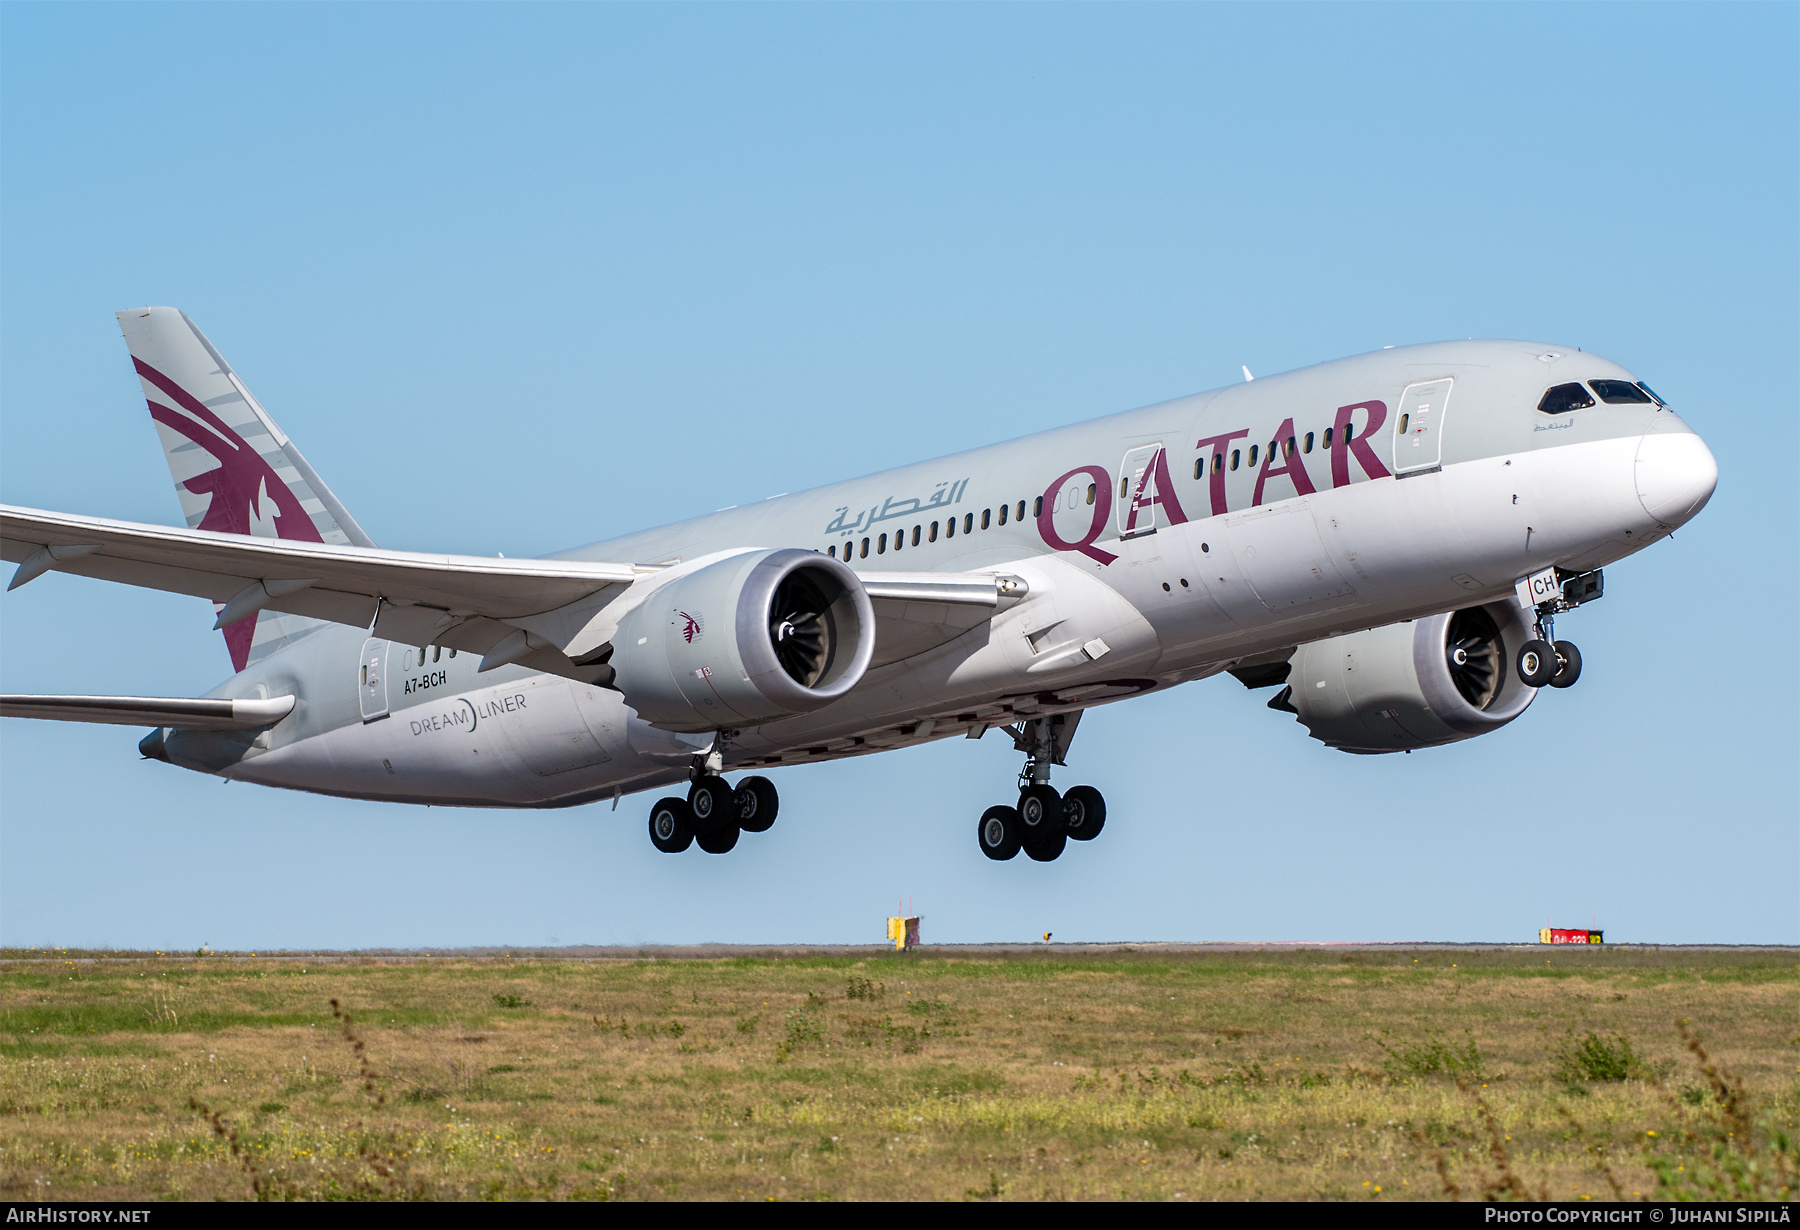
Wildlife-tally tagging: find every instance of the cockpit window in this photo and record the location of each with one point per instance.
(1653, 397)
(1562, 398)
(1620, 392)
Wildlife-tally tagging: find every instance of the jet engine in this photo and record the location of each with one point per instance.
(747, 639)
(1410, 685)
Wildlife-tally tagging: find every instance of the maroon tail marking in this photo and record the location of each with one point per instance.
(234, 486)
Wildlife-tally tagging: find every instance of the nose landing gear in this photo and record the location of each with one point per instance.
(1544, 661)
(1044, 821)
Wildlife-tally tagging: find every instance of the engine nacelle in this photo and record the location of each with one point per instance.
(748, 639)
(1411, 685)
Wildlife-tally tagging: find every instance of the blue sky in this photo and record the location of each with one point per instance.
(522, 277)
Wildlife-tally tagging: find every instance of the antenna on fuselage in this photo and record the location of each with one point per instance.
(1247, 376)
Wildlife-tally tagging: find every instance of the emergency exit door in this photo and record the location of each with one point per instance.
(1419, 427)
(371, 687)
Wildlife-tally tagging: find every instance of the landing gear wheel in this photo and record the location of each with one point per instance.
(718, 841)
(671, 827)
(710, 804)
(1049, 847)
(999, 833)
(1084, 813)
(1537, 664)
(1040, 811)
(1569, 669)
(756, 803)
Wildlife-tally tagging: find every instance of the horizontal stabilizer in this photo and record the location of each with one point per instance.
(180, 712)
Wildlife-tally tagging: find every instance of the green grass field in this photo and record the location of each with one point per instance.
(1336, 1074)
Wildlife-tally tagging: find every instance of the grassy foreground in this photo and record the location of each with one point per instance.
(1288, 1074)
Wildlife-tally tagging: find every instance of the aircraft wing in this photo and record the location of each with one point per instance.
(459, 601)
(523, 610)
(917, 611)
(179, 711)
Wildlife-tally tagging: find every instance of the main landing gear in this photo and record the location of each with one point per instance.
(715, 812)
(1044, 821)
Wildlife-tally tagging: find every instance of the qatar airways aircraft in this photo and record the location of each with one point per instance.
(1386, 538)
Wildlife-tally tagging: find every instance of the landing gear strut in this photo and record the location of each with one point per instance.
(1545, 662)
(1044, 821)
(715, 812)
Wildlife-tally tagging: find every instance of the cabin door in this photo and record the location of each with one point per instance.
(1138, 495)
(371, 679)
(1419, 429)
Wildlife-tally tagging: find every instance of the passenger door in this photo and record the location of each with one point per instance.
(1137, 492)
(1418, 431)
(371, 687)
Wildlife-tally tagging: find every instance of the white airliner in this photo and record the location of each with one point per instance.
(1386, 538)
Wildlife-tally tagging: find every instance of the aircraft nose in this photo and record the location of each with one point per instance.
(1676, 474)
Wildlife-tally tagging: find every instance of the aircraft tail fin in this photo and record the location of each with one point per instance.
(235, 470)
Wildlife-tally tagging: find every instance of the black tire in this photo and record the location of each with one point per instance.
(1569, 669)
(671, 828)
(1040, 812)
(1084, 813)
(998, 833)
(710, 804)
(756, 803)
(719, 841)
(1048, 848)
(1537, 663)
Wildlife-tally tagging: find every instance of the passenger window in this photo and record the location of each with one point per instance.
(1003, 511)
(1236, 456)
(1404, 420)
(1122, 486)
(985, 517)
(933, 537)
(950, 528)
(1619, 393)
(1199, 466)
(1290, 446)
(865, 548)
(915, 541)
(1037, 507)
(1562, 398)
(1325, 440)
(881, 545)
(969, 522)
(453, 653)
(1309, 442)
(1218, 463)
(899, 539)
(1653, 397)
(437, 653)
(1349, 430)
(1253, 454)
(1021, 510)
(1092, 489)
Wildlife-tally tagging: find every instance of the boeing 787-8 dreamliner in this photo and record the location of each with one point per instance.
(1335, 532)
